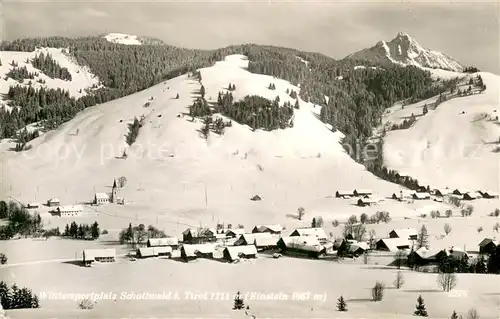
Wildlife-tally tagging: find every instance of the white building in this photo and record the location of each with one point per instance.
(101, 198)
(70, 210)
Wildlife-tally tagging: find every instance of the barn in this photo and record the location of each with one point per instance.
(404, 233)
(392, 244)
(100, 255)
(233, 233)
(171, 242)
(233, 253)
(301, 246)
(487, 194)
(53, 202)
(317, 232)
(70, 210)
(344, 194)
(424, 256)
(192, 252)
(358, 248)
(362, 192)
(366, 202)
(472, 196)
(421, 196)
(272, 229)
(199, 236)
(486, 246)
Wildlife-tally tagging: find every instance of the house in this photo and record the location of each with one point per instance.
(272, 229)
(486, 246)
(457, 253)
(199, 236)
(317, 232)
(405, 233)
(424, 256)
(442, 192)
(421, 188)
(53, 202)
(172, 242)
(460, 192)
(70, 210)
(366, 202)
(489, 194)
(358, 248)
(163, 251)
(362, 192)
(421, 196)
(101, 255)
(101, 198)
(266, 243)
(192, 252)
(32, 205)
(344, 194)
(146, 252)
(392, 244)
(301, 246)
(233, 233)
(255, 198)
(233, 253)
(472, 196)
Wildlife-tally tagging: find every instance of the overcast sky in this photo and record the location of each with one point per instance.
(467, 31)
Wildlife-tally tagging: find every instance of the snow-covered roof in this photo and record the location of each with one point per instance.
(308, 243)
(147, 252)
(262, 241)
(395, 244)
(317, 232)
(162, 249)
(236, 231)
(425, 253)
(345, 193)
(473, 195)
(200, 232)
(70, 208)
(54, 200)
(421, 195)
(91, 254)
(274, 228)
(354, 246)
(168, 241)
(101, 196)
(363, 191)
(367, 200)
(405, 233)
(236, 251)
(193, 250)
(251, 238)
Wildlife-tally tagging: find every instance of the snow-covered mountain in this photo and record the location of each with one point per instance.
(121, 38)
(404, 50)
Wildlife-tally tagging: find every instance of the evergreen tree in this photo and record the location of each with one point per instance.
(420, 308)
(297, 106)
(95, 231)
(425, 110)
(341, 304)
(238, 302)
(202, 91)
(423, 238)
(4, 212)
(313, 223)
(454, 315)
(5, 295)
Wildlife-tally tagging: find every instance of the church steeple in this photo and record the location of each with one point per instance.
(114, 183)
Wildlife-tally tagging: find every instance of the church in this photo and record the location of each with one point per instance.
(105, 198)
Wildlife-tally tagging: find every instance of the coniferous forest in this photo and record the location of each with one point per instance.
(356, 103)
(50, 67)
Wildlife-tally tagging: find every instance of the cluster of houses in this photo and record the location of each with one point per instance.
(64, 210)
(365, 196)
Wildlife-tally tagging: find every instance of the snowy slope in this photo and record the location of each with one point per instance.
(121, 38)
(81, 78)
(405, 50)
(448, 148)
(170, 167)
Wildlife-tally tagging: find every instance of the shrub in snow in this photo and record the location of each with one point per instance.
(378, 291)
(86, 304)
(341, 304)
(420, 308)
(447, 281)
(238, 302)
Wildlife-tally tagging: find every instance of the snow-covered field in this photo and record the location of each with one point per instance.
(81, 78)
(455, 145)
(121, 38)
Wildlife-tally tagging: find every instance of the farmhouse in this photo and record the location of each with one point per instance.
(424, 256)
(442, 192)
(146, 252)
(272, 229)
(486, 246)
(101, 255)
(362, 192)
(422, 189)
(70, 210)
(233, 253)
(319, 233)
(366, 202)
(199, 236)
(421, 196)
(392, 244)
(472, 196)
(171, 242)
(457, 253)
(101, 198)
(192, 252)
(405, 233)
(250, 239)
(266, 243)
(32, 205)
(233, 233)
(53, 202)
(344, 194)
(301, 246)
(460, 192)
(358, 248)
(489, 194)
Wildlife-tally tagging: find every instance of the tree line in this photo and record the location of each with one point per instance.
(139, 234)
(50, 67)
(13, 297)
(82, 231)
(19, 221)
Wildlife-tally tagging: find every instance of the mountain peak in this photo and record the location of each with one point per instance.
(405, 50)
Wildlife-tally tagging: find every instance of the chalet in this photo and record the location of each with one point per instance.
(401, 195)
(272, 229)
(486, 246)
(344, 194)
(422, 189)
(146, 252)
(249, 239)
(70, 210)
(489, 194)
(53, 202)
(192, 252)
(199, 236)
(358, 248)
(234, 233)
(405, 233)
(266, 243)
(32, 205)
(232, 253)
(392, 244)
(442, 192)
(424, 256)
(460, 192)
(366, 202)
(171, 242)
(457, 253)
(100, 255)
(421, 196)
(472, 196)
(362, 192)
(101, 198)
(317, 232)
(302, 246)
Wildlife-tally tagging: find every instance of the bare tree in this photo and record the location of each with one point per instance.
(352, 220)
(122, 181)
(449, 213)
(400, 280)
(357, 231)
(300, 212)
(496, 226)
(335, 223)
(399, 258)
(378, 291)
(319, 221)
(447, 229)
(472, 314)
(371, 238)
(447, 281)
